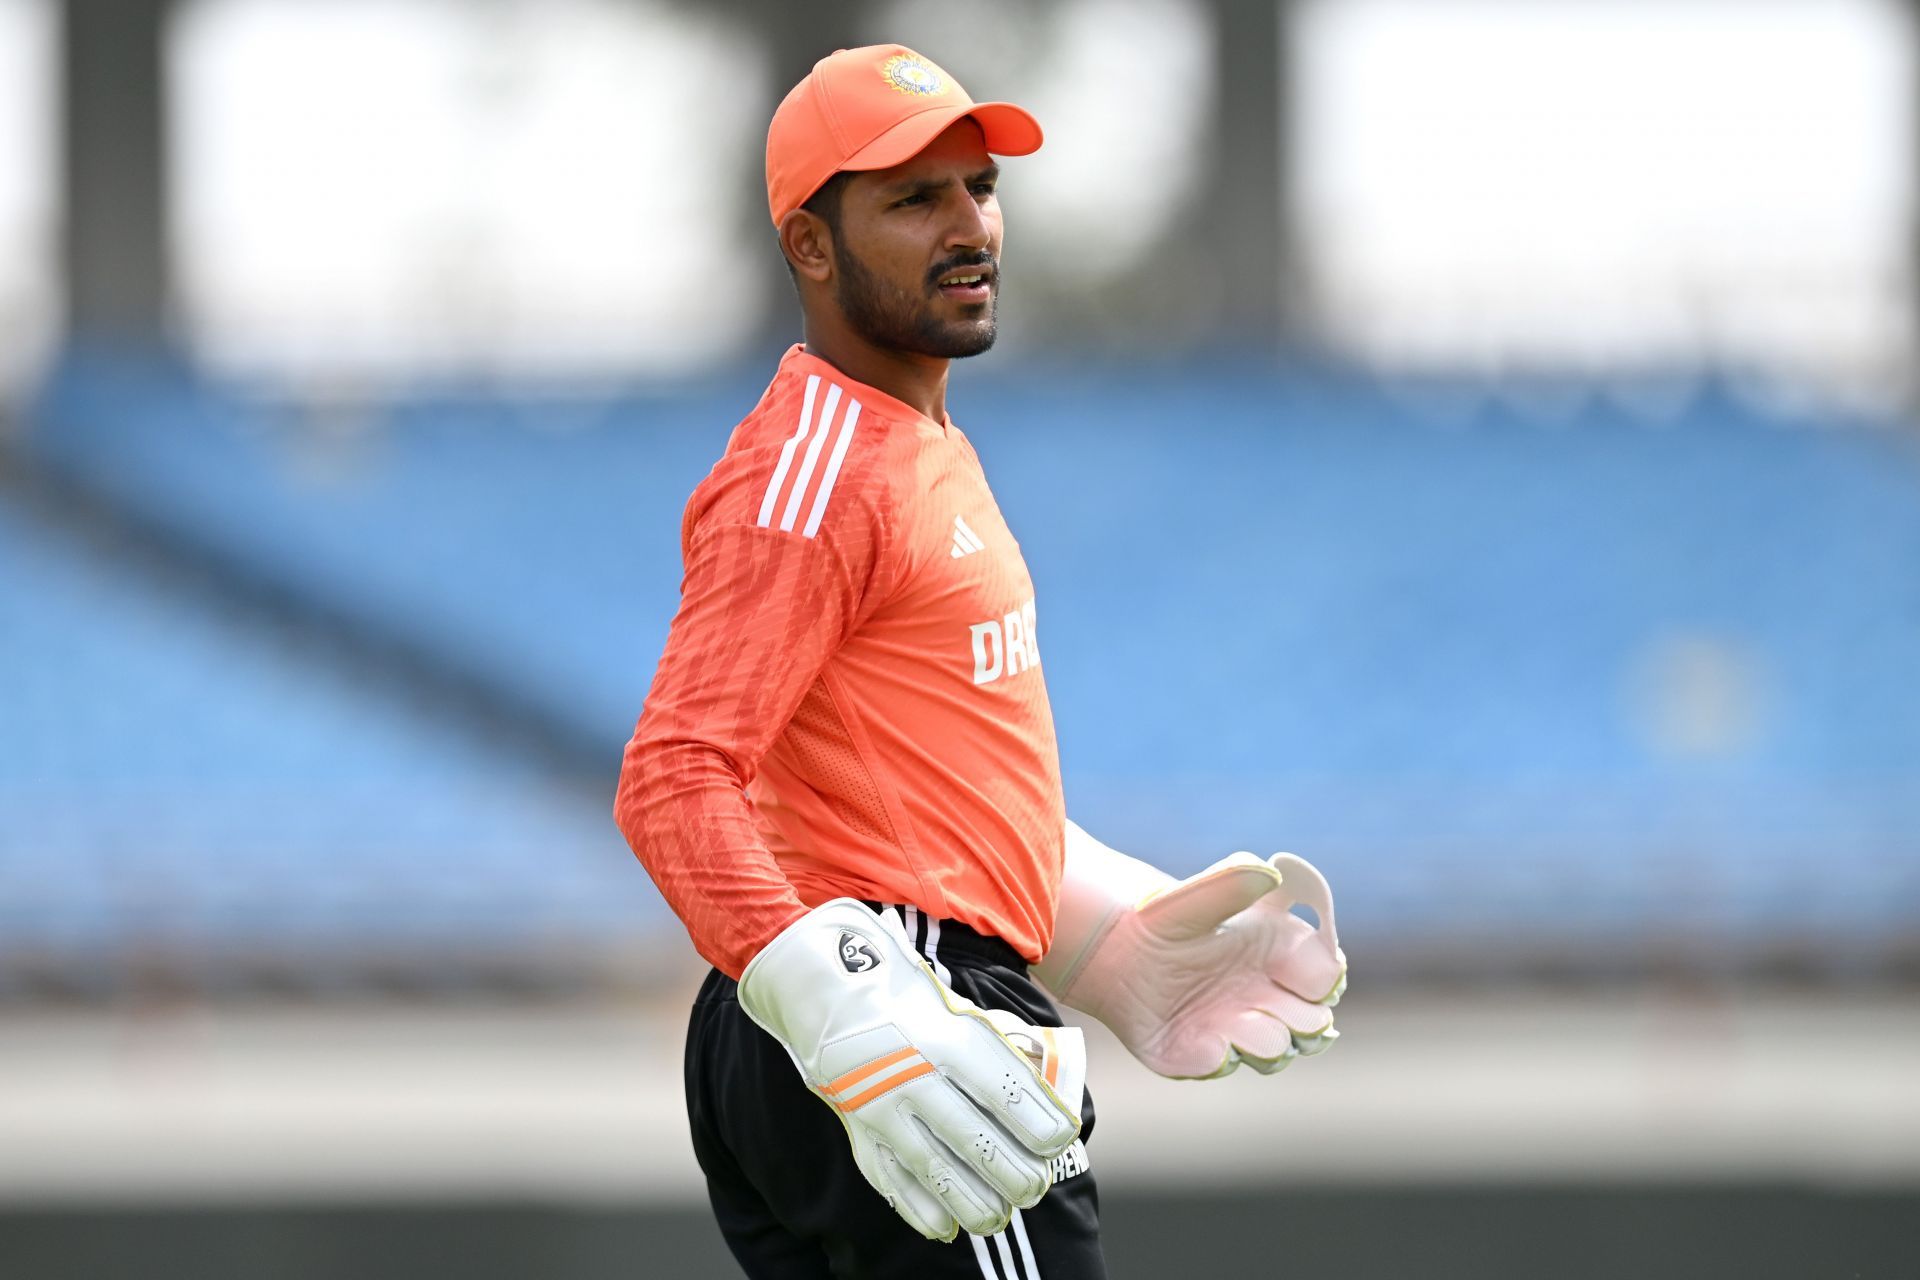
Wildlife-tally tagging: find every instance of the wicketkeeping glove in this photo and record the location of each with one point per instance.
(1199, 975)
(949, 1120)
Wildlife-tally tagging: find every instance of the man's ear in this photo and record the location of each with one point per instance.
(807, 241)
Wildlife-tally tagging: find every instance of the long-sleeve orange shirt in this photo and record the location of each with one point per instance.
(850, 702)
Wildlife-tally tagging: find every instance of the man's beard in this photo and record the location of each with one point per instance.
(890, 319)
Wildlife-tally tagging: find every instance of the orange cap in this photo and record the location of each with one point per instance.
(873, 108)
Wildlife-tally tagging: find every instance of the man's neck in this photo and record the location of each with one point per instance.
(919, 382)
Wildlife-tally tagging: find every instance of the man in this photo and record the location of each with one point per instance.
(845, 778)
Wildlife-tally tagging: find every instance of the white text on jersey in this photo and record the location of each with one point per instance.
(1005, 646)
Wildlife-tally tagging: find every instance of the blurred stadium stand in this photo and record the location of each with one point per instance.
(1559, 694)
(1468, 444)
(196, 795)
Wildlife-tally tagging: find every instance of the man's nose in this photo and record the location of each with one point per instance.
(970, 228)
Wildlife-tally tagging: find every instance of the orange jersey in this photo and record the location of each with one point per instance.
(850, 702)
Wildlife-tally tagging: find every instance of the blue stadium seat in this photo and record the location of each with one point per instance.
(173, 777)
(1631, 681)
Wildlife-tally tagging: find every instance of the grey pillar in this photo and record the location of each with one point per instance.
(114, 169)
(1246, 209)
(1911, 377)
(795, 34)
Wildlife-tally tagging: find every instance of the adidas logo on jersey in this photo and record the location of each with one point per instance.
(965, 540)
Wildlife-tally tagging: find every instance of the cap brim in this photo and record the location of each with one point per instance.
(1008, 131)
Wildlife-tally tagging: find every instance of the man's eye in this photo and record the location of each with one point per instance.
(916, 198)
(983, 188)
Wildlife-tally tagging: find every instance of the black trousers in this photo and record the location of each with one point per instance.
(780, 1173)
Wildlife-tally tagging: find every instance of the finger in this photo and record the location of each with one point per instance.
(1011, 1174)
(1258, 1035)
(975, 1210)
(1332, 998)
(1228, 1064)
(1185, 1052)
(1004, 1084)
(1272, 1066)
(1313, 1046)
(1301, 958)
(1305, 885)
(947, 1177)
(1202, 903)
(903, 1192)
(983, 1149)
(1058, 1055)
(939, 1171)
(1302, 1017)
(1311, 973)
(930, 1130)
(1255, 1041)
(1297, 956)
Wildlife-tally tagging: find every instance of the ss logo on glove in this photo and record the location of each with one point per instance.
(856, 955)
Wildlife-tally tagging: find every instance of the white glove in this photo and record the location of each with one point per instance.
(949, 1120)
(1197, 976)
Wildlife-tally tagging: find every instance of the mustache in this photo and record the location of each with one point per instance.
(980, 259)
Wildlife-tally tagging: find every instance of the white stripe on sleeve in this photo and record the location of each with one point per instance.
(786, 452)
(833, 468)
(813, 456)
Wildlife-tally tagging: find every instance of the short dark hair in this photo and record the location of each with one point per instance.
(825, 205)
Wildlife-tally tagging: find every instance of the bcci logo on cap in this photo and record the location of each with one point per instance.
(856, 956)
(913, 75)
